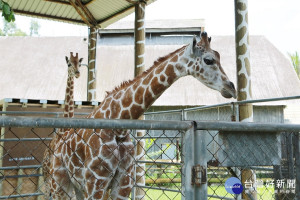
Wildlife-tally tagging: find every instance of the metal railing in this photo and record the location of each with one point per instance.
(162, 167)
(183, 136)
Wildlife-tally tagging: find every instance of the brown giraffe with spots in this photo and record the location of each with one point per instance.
(73, 71)
(93, 161)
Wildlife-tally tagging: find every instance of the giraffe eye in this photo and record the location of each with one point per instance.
(208, 61)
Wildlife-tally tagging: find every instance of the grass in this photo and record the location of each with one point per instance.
(263, 194)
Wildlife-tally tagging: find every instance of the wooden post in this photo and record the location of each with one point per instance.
(244, 80)
(92, 47)
(139, 62)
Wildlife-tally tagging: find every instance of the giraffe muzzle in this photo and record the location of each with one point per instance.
(77, 74)
(229, 90)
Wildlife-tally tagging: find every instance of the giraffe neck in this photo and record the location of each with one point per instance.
(133, 98)
(69, 98)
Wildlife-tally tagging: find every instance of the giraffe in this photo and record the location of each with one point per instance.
(93, 161)
(73, 71)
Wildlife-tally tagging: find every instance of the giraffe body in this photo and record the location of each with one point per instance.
(73, 71)
(93, 161)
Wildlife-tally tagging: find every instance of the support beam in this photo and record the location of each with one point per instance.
(139, 38)
(244, 80)
(139, 62)
(92, 47)
(84, 13)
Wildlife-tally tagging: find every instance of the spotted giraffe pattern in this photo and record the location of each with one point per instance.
(73, 71)
(91, 96)
(243, 59)
(93, 161)
(244, 81)
(140, 167)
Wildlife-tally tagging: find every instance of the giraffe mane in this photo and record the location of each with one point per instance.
(156, 63)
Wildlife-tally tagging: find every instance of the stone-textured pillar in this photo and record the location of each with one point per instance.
(139, 61)
(244, 79)
(92, 47)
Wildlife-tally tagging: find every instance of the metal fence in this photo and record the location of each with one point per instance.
(24, 140)
(181, 159)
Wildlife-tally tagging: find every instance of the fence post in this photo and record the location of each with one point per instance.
(187, 158)
(201, 160)
(194, 178)
(297, 161)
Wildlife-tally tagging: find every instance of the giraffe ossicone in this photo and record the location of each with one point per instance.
(93, 161)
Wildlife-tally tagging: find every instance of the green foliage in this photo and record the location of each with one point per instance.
(148, 145)
(34, 27)
(7, 12)
(296, 62)
(10, 29)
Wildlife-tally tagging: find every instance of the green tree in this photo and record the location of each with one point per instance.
(34, 27)
(10, 29)
(7, 12)
(296, 62)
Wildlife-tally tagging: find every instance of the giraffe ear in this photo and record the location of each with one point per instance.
(67, 59)
(80, 60)
(209, 39)
(194, 41)
(194, 44)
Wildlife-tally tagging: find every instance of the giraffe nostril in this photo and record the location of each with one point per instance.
(231, 85)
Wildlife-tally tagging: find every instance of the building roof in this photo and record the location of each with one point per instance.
(35, 68)
(163, 25)
(90, 12)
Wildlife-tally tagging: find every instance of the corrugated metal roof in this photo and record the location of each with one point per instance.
(35, 68)
(104, 12)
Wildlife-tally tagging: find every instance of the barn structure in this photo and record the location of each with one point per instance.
(34, 83)
(39, 83)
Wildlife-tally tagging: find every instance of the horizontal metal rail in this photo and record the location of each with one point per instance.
(24, 139)
(41, 122)
(243, 126)
(21, 167)
(224, 104)
(37, 113)
(21, 195)
(20, 176)
(157, 137)
(159, 162)
(157, 188)
(219, 197)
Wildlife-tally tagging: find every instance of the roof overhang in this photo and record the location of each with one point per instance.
(97, 13)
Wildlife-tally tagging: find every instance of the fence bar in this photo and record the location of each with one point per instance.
(201, 159)
(297, 162)
(188, 158)
(20, 195)
(218, 197)
(21, 167)
(24, 139)
(225, 104)
(37, 113)
(158, 162)
(243, 126)
(8, 121)
(21, 176)
(157, 137)
(157, 188)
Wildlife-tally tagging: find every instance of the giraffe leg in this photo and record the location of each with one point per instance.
(60, 184)
(122, 182)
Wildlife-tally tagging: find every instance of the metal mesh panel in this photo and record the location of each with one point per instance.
(23, 151)
(260, 180)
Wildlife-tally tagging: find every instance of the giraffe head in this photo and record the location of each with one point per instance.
(73, 65)
(204, 64)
